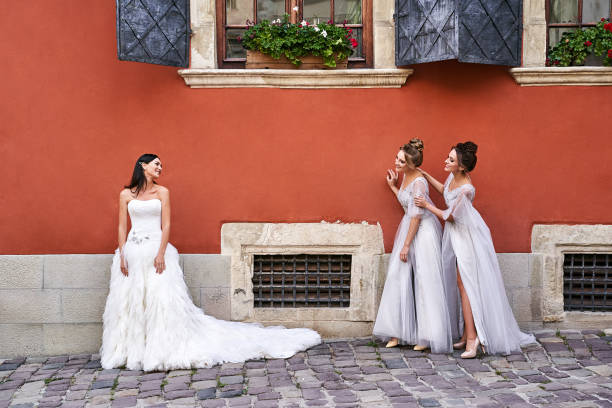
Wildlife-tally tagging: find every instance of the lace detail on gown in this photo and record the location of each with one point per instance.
(150, 322)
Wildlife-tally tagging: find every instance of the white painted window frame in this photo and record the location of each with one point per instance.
(205, 73)
(534, 71)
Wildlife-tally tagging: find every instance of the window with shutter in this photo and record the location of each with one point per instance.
(154, 31)
(544, 23)
(479, 31)
(234, 16)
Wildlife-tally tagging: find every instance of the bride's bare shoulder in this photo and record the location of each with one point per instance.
(126, 193)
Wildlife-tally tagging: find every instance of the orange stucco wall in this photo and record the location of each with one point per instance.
(73, 119)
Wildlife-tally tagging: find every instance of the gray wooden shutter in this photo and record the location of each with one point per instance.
(480, 31)
(490, 31)
(425, 31)
(154, 31)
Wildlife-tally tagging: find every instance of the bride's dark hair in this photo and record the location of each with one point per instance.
(139, 181)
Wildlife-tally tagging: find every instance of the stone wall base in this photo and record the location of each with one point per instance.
(53, 304)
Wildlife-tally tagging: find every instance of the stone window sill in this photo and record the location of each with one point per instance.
(567, 76)
(281, 78)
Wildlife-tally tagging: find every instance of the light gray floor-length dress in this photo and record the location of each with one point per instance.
(419, 314)
(467, 245)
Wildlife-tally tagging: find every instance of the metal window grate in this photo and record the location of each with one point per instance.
(587, 280)
(302, 280)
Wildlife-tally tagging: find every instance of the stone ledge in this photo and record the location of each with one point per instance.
(283, 78)
(565, 76)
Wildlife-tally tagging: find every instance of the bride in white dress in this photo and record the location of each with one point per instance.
(150, 322)
(471, 264)
(414, 316)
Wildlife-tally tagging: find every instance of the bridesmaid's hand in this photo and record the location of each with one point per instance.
(391, 178)
(420, 201)
(404, 254)
(124, 269)
(160, 264)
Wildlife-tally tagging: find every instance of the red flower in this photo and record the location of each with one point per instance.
(329, 21)
(239, 38)
(609, 53)
(299, 26)
(603, 19)
(354, 43)
(588, 43)
(557, 62)
(608, 27)
(547, 62)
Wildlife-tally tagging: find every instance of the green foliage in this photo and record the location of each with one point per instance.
(332, 43)
(575, 46)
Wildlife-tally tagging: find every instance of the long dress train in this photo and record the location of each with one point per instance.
(467, 245)
(416, 315)
(150, 322)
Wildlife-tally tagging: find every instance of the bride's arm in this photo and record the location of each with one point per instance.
(439, 187)
(164, 196)
(122, 228)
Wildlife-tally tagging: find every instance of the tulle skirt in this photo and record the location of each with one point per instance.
(150, 322)
(468, 246)
(416, 314)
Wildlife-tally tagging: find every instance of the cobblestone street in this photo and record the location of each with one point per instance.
(569, 368)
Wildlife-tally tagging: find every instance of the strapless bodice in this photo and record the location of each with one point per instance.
(146, 220)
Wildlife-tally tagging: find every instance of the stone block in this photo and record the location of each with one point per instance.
(21, 340)
(77, 271)
(342, 329)
(207, 270)
(535, 269)
(521, 304)
(21, 271)
(216, 302)
(30, 306)
(72, 338)
(194, 292)
(83, 305)
(515, 269)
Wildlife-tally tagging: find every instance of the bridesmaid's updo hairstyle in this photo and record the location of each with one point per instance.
(466, 155)
(139, 181)
(414, 151)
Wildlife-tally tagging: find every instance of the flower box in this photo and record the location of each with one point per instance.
(259, 60)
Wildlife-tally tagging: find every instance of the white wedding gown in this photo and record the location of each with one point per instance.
(419, 315)
(150, 322)
(467, 245)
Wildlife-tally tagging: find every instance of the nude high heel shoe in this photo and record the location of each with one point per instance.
(459, 345)
(470, 352)
(420, 348)
(392, 343)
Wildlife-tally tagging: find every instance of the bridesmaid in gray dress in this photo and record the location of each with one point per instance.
(471, 264)
(418, 316)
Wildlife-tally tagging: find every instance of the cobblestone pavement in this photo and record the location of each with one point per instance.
(566, 369)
